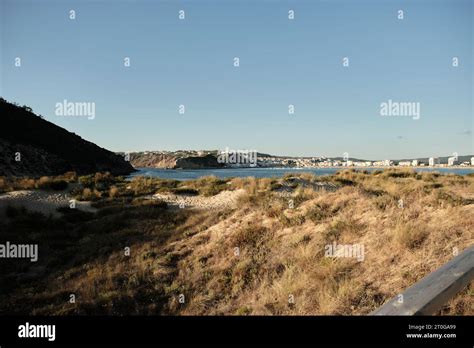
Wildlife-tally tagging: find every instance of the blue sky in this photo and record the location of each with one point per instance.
(282, 62)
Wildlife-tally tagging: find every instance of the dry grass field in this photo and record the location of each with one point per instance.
(264, 255)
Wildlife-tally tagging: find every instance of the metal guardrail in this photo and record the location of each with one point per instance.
(429, 294)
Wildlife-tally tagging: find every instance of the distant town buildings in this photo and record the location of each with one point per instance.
(299, 162)
(269, 161)
(452, 161)
(433, 161)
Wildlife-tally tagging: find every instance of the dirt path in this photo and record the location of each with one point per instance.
(44, 202)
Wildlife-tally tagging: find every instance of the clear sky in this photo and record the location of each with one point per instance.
(282, 62)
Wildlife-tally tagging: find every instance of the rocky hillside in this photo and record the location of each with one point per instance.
(32, 146)
(208, 161)
(172, 161)
(153, 160)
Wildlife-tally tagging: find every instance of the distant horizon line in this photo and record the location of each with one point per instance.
(314, 156)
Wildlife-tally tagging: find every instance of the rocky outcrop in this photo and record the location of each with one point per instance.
(171, 161)
(201, 162)
(153, 160)
(47, 149)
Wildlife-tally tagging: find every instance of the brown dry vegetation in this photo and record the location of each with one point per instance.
(265, 256)
(59, 183)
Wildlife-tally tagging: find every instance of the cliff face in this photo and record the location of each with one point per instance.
(170, 161)
(153, 160)
(47, 149)
(208, 161)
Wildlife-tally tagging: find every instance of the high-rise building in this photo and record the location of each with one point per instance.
(433, 161)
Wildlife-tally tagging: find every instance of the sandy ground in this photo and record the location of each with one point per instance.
(45, 202)
(225, 199)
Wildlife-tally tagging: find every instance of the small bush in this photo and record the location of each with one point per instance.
(409, 235)
(265, 184)
(320, 212)
(113, 192)
(249, 236)
(89, 195)
(86, 194)
(87, 181)
(344, 181)
(47, 183)
(70, 177)
(382, 202)
(399, 173)
(25, 184)
(4, 187)
(449, 198)
(289, 221)
(209, 185)
(243, 311)
(143, 202)
(335, 229)
(275, 186)
(185, 191)
(103, 178)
